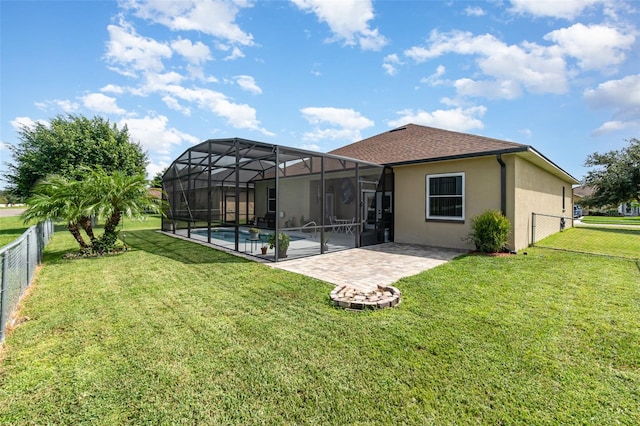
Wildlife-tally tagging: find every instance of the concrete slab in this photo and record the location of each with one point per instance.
(366, 268)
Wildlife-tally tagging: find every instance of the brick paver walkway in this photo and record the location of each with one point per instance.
(366, 268)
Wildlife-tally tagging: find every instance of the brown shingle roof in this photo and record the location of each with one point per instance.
(413, 143)
(583, 190)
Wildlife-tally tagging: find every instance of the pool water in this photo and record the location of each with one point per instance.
(228, 235)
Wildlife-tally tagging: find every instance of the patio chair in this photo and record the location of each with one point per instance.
(348, 227)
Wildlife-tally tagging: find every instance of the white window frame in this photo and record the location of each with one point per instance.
(429, 196)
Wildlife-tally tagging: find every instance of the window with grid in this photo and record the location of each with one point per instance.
(445, 196)
(271, 199)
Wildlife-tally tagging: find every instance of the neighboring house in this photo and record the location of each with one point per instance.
(582, 191)
(442, 179)
(579, 192)
(628, 209)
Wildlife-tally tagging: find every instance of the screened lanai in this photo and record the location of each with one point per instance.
(222, 190)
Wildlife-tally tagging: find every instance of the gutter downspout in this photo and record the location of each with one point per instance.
(503, 184)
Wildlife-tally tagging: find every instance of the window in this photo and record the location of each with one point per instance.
(271, 199)
(445, 196)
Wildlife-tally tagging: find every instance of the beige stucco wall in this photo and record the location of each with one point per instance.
(529, 189)
(482, 192)
(294, 198)
(537, 191)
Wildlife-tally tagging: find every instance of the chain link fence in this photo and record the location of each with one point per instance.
(19, 261)
(569, 234)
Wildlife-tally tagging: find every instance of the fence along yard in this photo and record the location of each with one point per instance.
(19, 261)
(605, 239)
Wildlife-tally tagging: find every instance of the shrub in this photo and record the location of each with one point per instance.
(283, 241)
(489, 231)
(105, 244)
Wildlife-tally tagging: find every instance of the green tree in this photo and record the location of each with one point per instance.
(616, 177)
(156, 182)
(115, 194)
(66, 144)
(60, 198)
(93, 193)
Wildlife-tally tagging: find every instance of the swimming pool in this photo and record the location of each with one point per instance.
(228, 234)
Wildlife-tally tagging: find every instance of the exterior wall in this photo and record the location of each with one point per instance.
(482, 192)
(529, 189)
(537, 191)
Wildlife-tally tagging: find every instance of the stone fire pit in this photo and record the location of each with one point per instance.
(351, 298)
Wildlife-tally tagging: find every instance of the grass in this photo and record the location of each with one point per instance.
(609, 241)
(612, 220)
(176, 333)
(11, 227)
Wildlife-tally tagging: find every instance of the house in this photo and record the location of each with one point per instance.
(624, 209)
(579, 193)
(412, 184)
(442, 179)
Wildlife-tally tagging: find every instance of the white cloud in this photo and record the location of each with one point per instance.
(348, 21)
(235, 54)
(623, 93)
(390, 62)
(567, 9)
(311, 147)
(596, 47)
(527, 66)
(99, 102)
(195, 53)
(339, 123)
(153, 168)
(155, 82)
(153, 134)
(213, 17)
(434, 79)
(132, 53)
(173, 103)
(474, 11)
(613, 126)
(506, 89)
(623, 97)
(19, 122)
(112, 88)
(66, 105)
(248, 83)
(457, 119)
(240, 116)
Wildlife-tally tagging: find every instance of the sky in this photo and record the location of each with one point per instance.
(562, 76)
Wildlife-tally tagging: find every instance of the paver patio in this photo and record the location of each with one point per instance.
(366, 268)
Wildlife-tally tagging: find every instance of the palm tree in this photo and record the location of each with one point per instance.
(94, 192)
(116, 194)
(58, 198)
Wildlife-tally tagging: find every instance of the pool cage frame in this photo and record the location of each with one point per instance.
(236, 183)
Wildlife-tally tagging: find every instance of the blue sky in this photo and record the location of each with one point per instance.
(562, 76)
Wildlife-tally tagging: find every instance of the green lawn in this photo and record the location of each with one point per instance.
(613, 220)
(11, 228)
(609, 241)
(176, 333)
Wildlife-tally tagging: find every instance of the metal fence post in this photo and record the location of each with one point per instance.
(28, 259)
(533, 229)
(3, 297)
